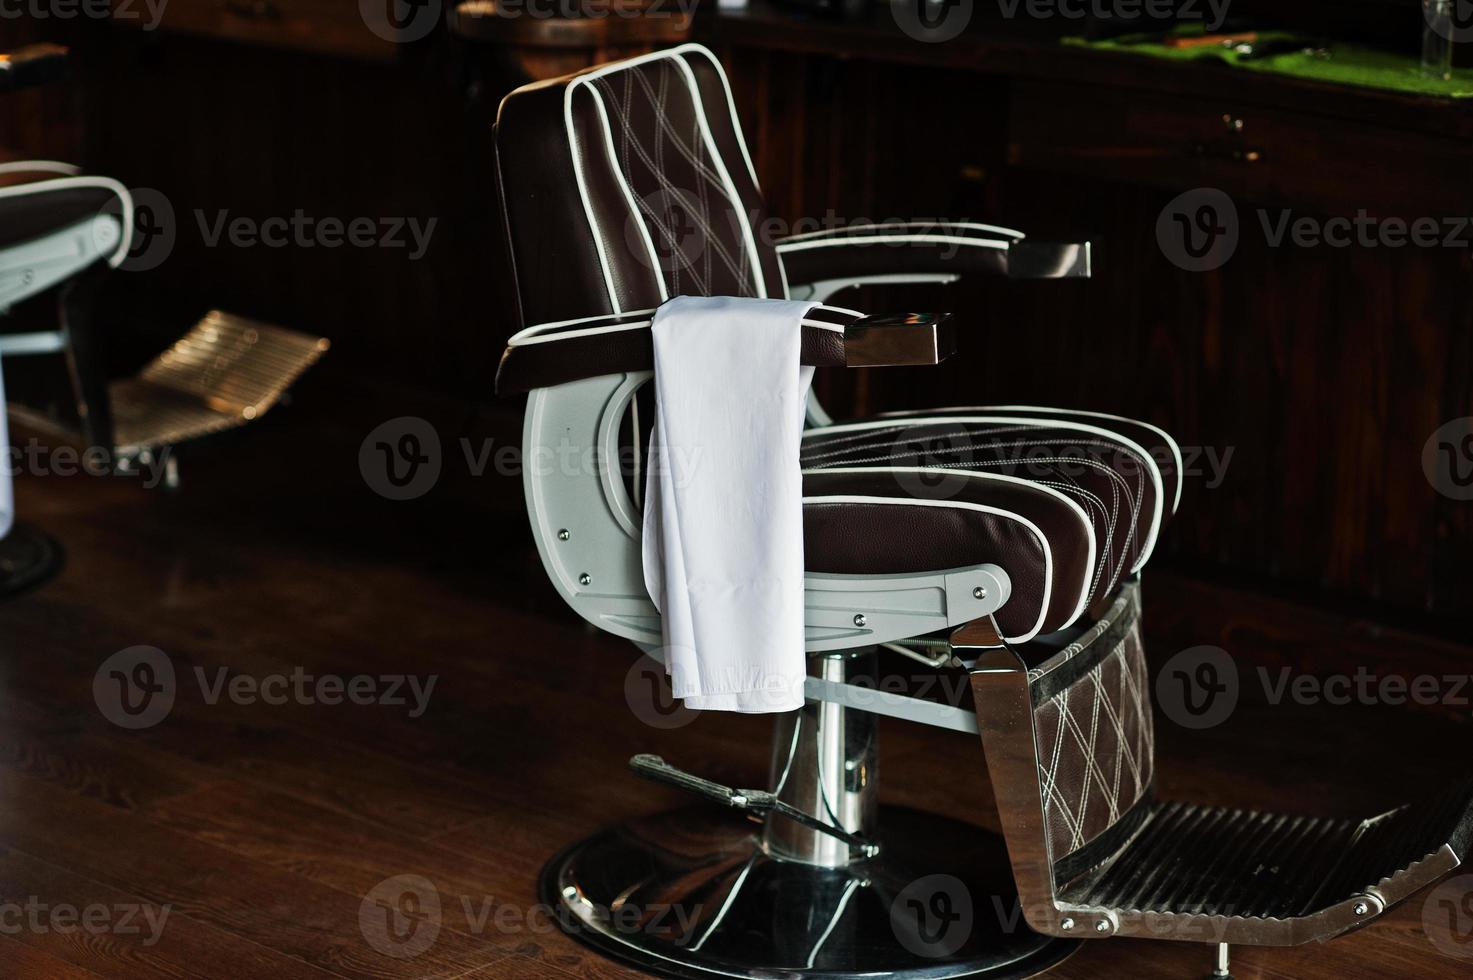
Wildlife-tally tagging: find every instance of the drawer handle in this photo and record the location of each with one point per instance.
(1234, 153)
(253, 9)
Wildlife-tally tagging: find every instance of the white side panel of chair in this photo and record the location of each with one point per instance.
(588, 534)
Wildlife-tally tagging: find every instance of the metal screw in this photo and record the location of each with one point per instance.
(584, 579)
(1066, 924)
(563, 534)
(1102, 926)
(979, 593)
(1360, 908)
(859, 619)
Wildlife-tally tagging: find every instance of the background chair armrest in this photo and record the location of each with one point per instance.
(824, 262)
(556, 353)
(34, 64)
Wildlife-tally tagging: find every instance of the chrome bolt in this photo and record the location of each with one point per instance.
(979, 593)
(563, 534)
(1066, 924)
(859, 619)
(584, 579)
(1102, 926)
(1360, 908)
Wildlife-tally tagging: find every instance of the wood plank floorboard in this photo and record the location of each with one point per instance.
(264, 827)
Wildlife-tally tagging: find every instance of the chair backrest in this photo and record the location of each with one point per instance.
(629, 183)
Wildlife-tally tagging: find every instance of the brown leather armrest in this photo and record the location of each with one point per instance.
(928, 249)
(615, 345)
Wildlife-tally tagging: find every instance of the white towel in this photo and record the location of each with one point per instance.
(723, 512)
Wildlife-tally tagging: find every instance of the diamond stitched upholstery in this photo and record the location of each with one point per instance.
(678, 192)
(1094, 734)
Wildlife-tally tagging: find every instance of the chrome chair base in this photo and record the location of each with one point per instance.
(28, 557)
(694, 894)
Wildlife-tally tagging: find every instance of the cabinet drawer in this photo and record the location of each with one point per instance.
(1262, 154)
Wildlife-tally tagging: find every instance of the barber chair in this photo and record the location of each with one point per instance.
(63, 231)
(1002, 544)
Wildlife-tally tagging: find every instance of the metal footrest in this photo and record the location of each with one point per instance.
(1273, 880)
(226, 371)
(1071, 751)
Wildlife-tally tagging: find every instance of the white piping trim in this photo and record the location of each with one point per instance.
(634, 212)
(125, 239)
(1130, 444)
(1171, 443)
(40, 167)
(759, 279)
(1084, 521)
(674, 55)
(736, 124)
(535, 335)
(530, 336)
(586, 319)
(1048, 558)
(785, 247)
(598, 244)
(971, 225)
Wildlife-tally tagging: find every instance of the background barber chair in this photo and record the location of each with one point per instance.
(62, 231)
(999, 543)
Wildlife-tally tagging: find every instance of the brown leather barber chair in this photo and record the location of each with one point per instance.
(1004, 543)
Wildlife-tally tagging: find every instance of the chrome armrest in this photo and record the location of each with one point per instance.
(899, 339)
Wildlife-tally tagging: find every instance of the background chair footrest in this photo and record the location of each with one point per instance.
(226, 371)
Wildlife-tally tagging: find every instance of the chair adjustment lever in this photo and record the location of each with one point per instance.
(751, 800)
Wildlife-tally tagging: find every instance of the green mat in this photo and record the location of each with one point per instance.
(1347, 64)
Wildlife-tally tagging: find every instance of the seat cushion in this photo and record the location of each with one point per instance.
(1068, 503)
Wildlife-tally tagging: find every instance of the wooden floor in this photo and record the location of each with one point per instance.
(263, 827)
